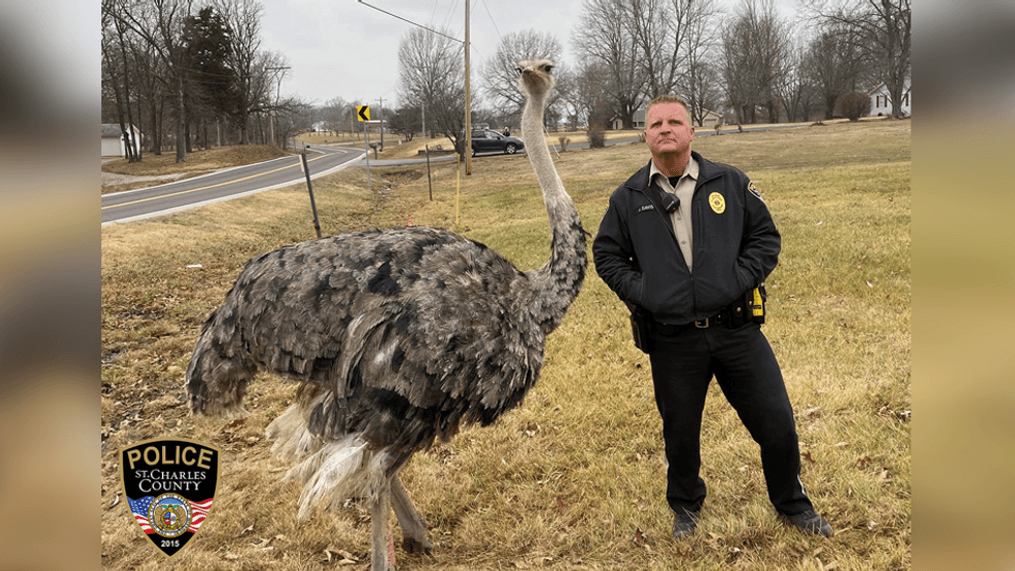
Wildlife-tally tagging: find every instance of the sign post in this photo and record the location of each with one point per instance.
(310, 189)
(363, 116)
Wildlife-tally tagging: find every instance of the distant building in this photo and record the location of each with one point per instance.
(881, 101)
(113, 144)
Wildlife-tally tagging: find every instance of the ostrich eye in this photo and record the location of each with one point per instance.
(519, 70)
(547, 68)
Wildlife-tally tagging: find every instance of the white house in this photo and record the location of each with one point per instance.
(113, 144)
(881, 101)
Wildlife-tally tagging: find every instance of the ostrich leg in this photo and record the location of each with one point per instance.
(380, 558)
(413, 527)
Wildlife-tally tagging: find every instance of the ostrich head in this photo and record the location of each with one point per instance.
(535, 79)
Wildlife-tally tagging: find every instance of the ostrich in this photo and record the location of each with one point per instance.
(398, 337)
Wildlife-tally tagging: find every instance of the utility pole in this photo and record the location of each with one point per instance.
(468, 96)
(380, 116)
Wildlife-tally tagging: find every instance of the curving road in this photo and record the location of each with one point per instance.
(223, 185)
(241, 181)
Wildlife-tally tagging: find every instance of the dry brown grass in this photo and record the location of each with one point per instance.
(574, 478)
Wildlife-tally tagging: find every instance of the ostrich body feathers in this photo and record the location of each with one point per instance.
(403, 333)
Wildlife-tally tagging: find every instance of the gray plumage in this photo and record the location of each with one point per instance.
(399, 336)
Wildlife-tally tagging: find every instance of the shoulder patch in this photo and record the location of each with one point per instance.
(754, 190)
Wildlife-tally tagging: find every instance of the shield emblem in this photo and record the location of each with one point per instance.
(170, 485)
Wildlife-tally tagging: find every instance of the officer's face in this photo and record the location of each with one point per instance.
(669, 130)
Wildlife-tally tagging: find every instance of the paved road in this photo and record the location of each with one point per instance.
(222, 185)
(241, 181)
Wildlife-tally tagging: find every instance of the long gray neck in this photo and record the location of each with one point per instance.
(558, 282)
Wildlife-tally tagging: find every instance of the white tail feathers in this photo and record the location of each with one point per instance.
(293, 441)
(334, 473)
(330, 472)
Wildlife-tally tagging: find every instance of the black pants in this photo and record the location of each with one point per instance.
(745, 367)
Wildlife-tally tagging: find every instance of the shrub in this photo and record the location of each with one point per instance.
(855, 104)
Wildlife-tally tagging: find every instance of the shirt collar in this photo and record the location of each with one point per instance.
(690, 170)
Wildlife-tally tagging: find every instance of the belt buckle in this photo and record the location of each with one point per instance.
(701, 323)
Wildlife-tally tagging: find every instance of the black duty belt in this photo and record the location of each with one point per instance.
(731, 316)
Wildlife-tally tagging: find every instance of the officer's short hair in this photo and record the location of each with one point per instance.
(666, 98)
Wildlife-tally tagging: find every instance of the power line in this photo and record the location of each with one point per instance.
(410, 21)
(492, 21)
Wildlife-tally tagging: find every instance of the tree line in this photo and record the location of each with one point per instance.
(194, 74)
(749, 63)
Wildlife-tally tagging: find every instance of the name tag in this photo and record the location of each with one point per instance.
(645, 207)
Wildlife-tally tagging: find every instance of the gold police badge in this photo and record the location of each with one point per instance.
(717, 202)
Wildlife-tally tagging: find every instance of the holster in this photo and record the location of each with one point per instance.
(754, 299)
(640, 323)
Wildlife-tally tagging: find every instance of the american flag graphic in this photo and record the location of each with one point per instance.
(140, 508)
(199, 511)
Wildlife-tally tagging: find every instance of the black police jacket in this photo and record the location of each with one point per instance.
(736, 245)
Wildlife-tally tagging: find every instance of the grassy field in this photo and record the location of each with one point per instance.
(574, 478)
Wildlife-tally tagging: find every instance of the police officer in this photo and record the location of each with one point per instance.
(684, 244)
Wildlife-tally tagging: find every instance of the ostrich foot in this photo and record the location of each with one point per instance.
(411, 545)
(413, 527)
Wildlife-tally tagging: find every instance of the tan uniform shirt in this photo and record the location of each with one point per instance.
(681, 217)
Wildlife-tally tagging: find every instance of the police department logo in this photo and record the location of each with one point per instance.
(169, 515)
(717, 202)
(170, 486)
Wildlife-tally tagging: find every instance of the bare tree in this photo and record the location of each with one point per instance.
(407, 120)
(269, 69)
(116, 77)
(881, 31)
(834, 64)
(244, 19)
(431, 74)
(291, 117)
(703, 90)
(795, 88)
(604, 40)
(152, 93)
(656, 35)
(500, 72)
(337, 114)
(592, 99)
(159, 23)
(754, 49)
(700, 84)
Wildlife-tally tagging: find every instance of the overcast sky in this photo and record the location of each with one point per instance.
(343, 48)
